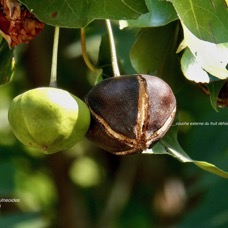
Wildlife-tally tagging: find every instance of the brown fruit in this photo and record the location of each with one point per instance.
(130, 113)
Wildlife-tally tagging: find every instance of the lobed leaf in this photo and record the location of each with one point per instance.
(206, 19)
(79, 13)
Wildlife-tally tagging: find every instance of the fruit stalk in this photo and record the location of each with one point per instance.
(84, 52)
(53, 79)
(114, 60)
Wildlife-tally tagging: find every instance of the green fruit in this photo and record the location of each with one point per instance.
(48, 119)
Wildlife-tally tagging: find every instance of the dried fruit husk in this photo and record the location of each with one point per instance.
(17, 24)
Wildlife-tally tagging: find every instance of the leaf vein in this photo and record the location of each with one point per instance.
(71, 8)
(134, 10)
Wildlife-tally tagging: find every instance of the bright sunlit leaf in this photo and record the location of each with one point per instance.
(210, 56)
(192, 69)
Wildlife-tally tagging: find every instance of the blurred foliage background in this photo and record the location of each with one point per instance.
(87, 187)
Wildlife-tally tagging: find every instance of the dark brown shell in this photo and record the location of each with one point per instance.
(130, 113)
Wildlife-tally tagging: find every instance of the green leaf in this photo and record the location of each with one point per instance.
(79, 13)
(211, 168)
(212, 57)
(6, 63)
(214, 89)
(154, 51)
(160, 13)
(98, 76)
(205, 19)
(169, 145)
(104, 58)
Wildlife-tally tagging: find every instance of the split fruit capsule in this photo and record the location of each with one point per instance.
(129, 114)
